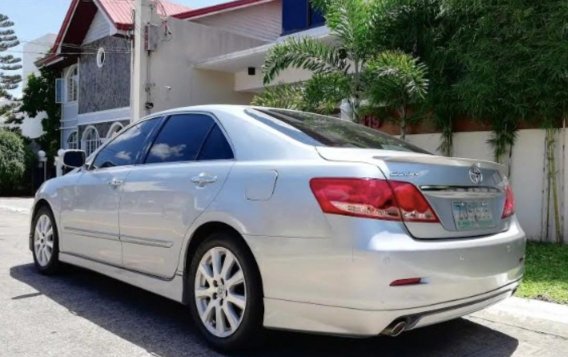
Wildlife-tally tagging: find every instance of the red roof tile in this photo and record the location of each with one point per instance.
(119, 12)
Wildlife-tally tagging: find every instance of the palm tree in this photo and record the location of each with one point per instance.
(351, 66)
(397, 81)
(339, 64)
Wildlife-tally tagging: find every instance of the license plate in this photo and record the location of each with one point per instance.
(471, 215)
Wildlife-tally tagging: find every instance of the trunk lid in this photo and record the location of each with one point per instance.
(467, 195)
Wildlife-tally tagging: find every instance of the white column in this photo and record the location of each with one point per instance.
(142, 16)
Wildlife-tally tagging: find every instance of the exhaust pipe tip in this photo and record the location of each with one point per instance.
(395, 328)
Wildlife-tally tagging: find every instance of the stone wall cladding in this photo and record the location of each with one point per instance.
(107, 87)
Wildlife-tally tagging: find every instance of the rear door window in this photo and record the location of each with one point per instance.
(189, 137)
(216, 147)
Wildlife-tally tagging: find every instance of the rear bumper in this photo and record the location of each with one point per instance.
(335, 320)
(341, 284)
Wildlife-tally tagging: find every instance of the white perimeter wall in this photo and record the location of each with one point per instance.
(527, 171)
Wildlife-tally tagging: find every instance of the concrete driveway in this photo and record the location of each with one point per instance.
(81, 313)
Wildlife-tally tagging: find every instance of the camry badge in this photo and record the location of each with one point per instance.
(475, 175)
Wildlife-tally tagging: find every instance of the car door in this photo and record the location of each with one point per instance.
(184, 170)
(89, 213)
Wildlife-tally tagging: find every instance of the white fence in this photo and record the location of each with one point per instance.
(528, 175)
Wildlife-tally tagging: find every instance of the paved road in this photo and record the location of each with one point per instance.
(81, 313)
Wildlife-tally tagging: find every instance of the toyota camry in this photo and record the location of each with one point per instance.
(268, 218)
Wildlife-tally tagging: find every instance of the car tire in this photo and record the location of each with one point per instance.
(45, 242)
(226, 326)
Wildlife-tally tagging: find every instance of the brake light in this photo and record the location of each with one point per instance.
(407, 281)
(372, 198)
(509, 208)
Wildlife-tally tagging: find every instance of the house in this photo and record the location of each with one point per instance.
(298, 18)
(111, 72)
(92, 55)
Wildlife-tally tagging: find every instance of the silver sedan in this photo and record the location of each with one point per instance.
(268, 218)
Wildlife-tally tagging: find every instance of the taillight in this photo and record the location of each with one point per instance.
(372, 198)
(509, 208)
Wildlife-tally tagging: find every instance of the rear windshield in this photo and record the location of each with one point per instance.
(321, 130)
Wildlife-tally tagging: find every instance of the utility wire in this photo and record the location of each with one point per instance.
(64, 53)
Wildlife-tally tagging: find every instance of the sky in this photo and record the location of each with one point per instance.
(35, 18)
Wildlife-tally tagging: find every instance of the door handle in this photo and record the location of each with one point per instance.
(115, 182)
(203, 179)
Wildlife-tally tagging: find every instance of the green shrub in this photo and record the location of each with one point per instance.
(12, 162)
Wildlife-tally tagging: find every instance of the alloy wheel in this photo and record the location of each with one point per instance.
(220, 292)
(43, 240)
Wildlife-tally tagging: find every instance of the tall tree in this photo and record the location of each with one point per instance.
(341, 68)
(500, 61)
(398, 82)
(8, 65)
(339, 64)
(38, 97)
(425, 30)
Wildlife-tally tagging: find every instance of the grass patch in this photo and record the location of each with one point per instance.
(546, 275)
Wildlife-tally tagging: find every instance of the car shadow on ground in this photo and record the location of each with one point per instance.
(163, 327)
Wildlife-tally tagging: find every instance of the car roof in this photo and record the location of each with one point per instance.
(205, 108)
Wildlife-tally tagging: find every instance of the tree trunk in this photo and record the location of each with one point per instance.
(510, 161)
(553, 184)
(402, 114)
(355, 95)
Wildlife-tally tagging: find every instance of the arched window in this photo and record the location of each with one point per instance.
(114, 130)
(90, 140)
(73, 141)
(72, 83)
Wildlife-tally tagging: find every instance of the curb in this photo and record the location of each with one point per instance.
(539, 316)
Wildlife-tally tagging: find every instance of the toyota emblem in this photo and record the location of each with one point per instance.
(475, 175)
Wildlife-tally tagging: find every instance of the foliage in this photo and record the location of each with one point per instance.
(444, 123)
(324, 92)
(397, 80)
(39, 96)
(342, 61)
(306, 53)
(347, 68)
(501, 61)
(11, 116)
(12, 161)
(289, 96)
(425, 29)
(8, 64)
(515, 53)
(320, 95)
(546, 276)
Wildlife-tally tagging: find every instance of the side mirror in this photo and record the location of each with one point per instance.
(74, 158)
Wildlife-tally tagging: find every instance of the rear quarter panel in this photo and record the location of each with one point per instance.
(299, 256)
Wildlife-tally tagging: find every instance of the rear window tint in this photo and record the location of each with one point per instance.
(216, 146)
(322, 130)
(181, 138)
